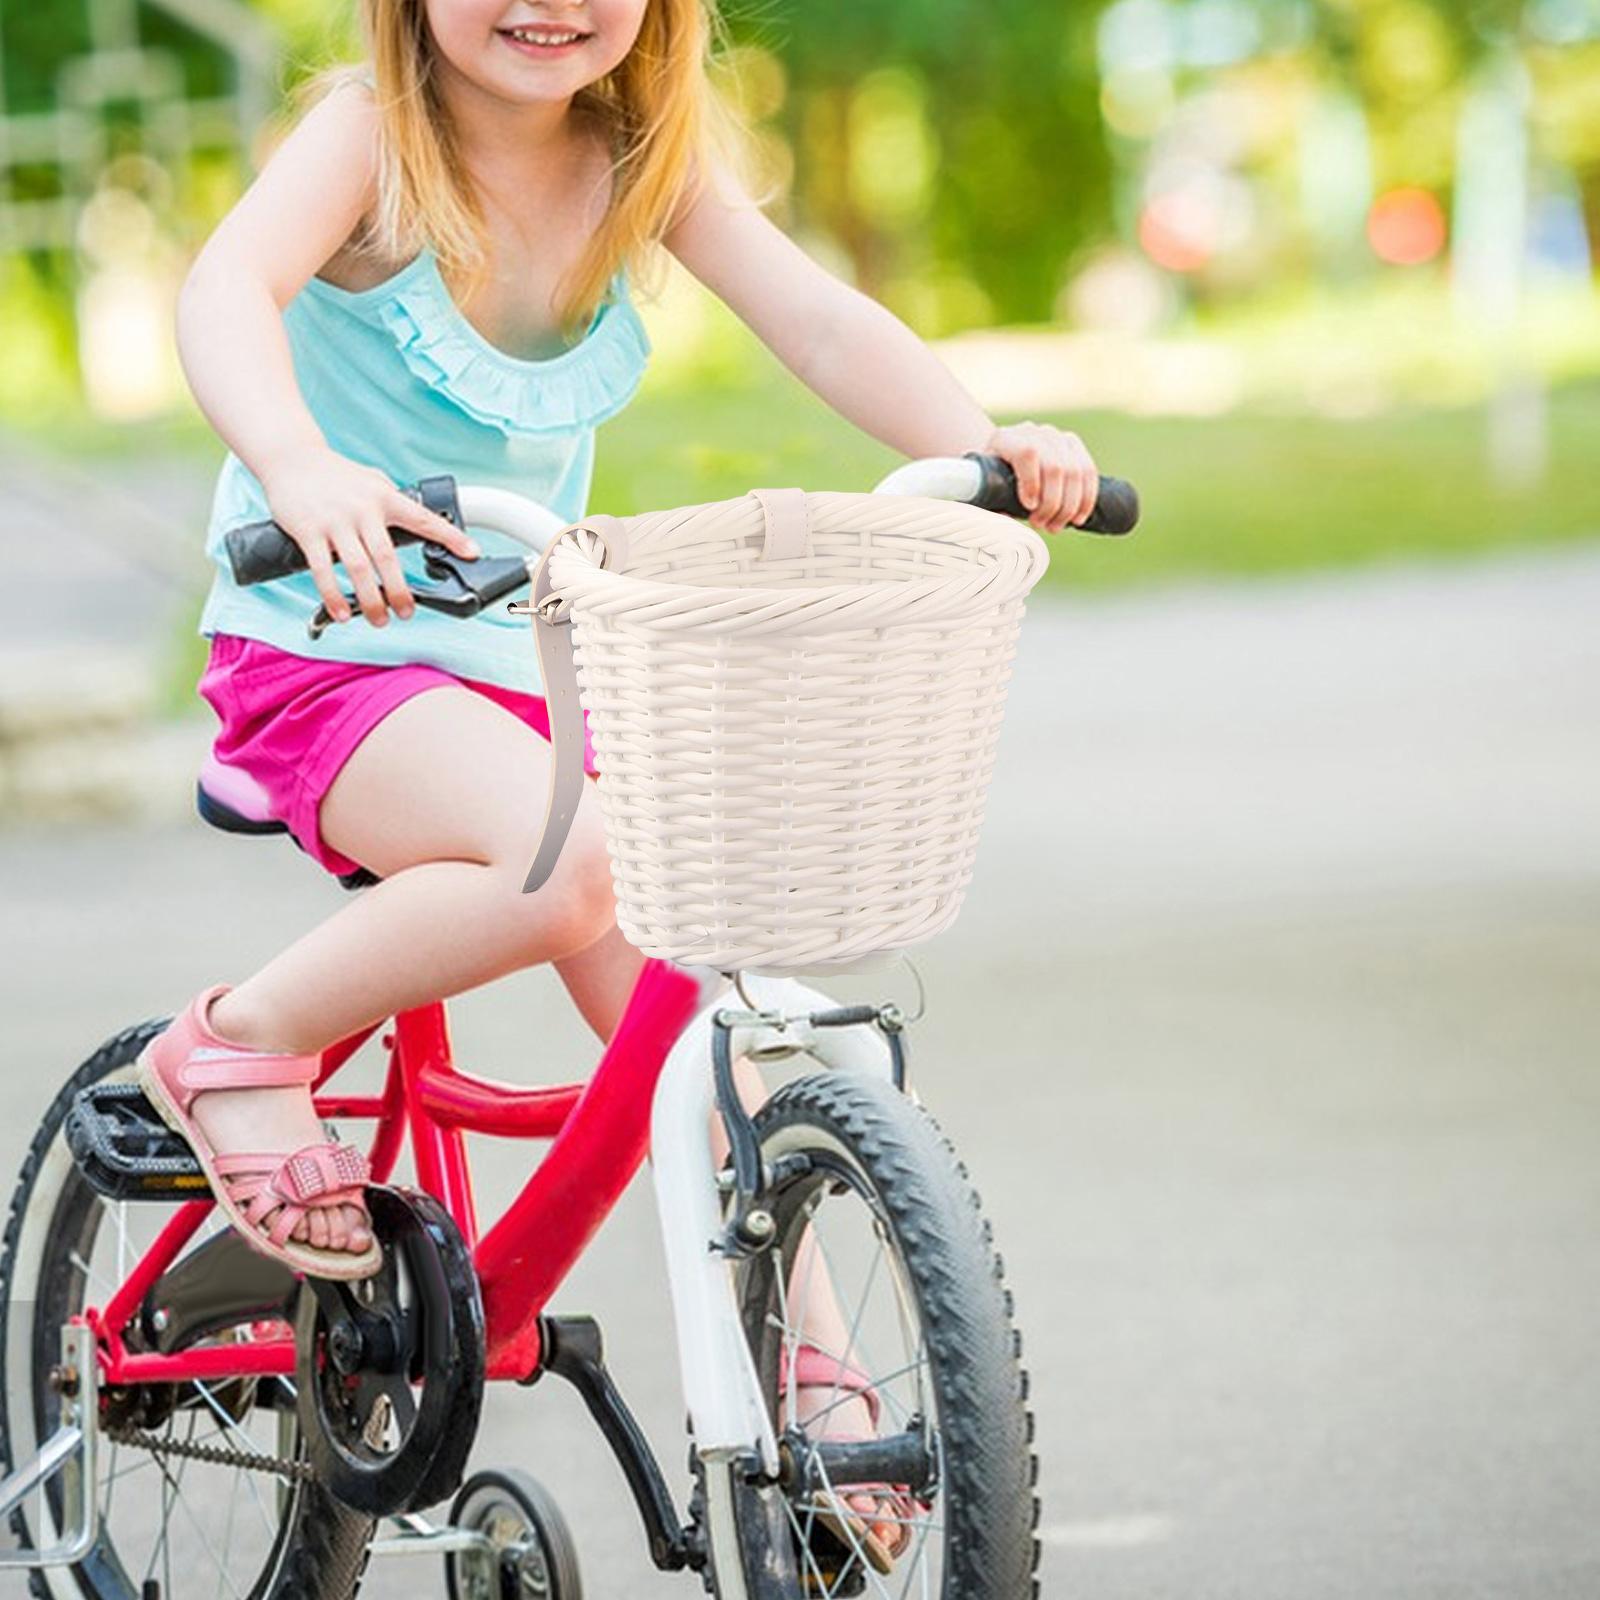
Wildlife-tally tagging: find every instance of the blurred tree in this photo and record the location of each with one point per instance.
(1566, 118)
(994, 112)
(1411, 61)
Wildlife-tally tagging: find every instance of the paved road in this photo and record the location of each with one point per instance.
(1269, 1029)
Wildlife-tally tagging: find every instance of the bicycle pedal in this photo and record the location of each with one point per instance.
(126, 1151)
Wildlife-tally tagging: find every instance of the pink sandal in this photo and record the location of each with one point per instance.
(263, 1195)
(815, 1368)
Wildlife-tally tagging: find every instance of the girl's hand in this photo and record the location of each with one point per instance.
(338, 510)
(1056, 477)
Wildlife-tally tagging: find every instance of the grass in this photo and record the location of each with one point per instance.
(1245, 493)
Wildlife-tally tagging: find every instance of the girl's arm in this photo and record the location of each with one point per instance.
(305, 204)
(861, 358)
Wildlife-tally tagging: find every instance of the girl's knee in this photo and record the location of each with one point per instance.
(593, 903)
(571, 910)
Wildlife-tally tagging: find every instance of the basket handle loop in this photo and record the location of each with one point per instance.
(553, 639)
(788, 533)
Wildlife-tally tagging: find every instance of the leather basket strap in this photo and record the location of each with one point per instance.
(559, 673)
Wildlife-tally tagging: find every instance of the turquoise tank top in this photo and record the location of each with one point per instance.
(397, 378)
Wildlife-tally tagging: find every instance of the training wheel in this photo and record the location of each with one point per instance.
(535, 1558)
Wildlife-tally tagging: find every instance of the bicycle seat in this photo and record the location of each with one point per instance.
(230, 799)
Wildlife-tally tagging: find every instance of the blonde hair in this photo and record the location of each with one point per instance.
(663, 119)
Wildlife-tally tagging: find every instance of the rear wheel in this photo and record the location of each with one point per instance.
(194, 1510)
(867, 1193)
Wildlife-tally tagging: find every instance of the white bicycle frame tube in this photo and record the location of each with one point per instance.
(719, 1381)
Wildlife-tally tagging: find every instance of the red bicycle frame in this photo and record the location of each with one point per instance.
(599, 1134)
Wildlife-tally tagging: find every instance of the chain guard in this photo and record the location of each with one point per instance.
(390, 1369)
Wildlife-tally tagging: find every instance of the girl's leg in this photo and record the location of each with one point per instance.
(443, 800)
(601, 980)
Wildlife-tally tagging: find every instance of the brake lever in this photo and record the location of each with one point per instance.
(464, 587)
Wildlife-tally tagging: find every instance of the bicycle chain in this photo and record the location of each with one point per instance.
(218, 1455)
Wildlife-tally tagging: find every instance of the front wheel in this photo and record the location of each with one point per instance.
(882, 1260)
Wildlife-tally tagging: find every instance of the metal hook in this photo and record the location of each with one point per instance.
(922, 993)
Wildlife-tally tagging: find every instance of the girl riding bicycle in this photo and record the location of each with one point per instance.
(432, 275)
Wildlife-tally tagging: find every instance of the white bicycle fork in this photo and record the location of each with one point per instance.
(719, 1379)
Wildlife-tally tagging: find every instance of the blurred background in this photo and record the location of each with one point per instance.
(1269, 1026)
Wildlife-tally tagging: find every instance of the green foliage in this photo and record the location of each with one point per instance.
(38, 360)
(37, 39)
(1007, 99)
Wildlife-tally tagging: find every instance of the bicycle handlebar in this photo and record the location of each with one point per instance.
(261, 551)
(258, 552)
(1116, 506)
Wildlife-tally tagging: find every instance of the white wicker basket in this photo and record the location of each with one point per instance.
(795, 701)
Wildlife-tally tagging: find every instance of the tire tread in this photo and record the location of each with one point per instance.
(948, 1249)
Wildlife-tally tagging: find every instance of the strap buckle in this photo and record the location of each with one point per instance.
(544, 610)
(549, 609)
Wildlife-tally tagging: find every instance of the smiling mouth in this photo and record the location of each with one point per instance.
(546, 38)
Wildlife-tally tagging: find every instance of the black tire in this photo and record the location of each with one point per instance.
(509, 1505)
(317, 1549)
(871, 1145)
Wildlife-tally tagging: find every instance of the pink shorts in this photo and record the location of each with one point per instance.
(292, 723)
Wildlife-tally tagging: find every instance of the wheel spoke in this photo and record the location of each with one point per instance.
(803, 1538)
(789, 1343)
(159, 1549)
(914, 1561)
(231, 1429)
(911, 1331)
(887, 1377)
(120, 1215)
(110, 1482)
(866, 1291)
(845, 1507)
(91, 1275)
(174, 1482)
(141, 1465)
(227, 1534)
(855, 1290)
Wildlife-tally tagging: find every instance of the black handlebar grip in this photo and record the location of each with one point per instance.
(261, 551)
(1116, 508)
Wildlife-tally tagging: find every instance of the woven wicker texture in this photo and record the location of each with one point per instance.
(794, 730)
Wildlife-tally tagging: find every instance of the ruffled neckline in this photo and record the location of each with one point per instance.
(575, 388)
